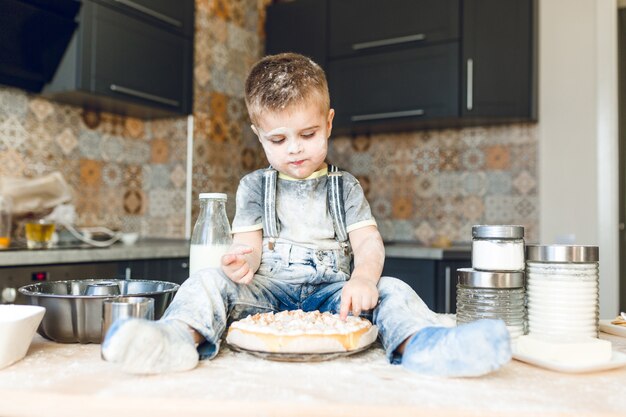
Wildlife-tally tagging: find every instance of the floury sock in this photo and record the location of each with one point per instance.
(471, 349)
(149, 347)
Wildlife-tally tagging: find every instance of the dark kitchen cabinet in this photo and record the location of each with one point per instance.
(170, 269)
(418, 273)
(177, 16)
(127, 61)
(418, 63)
(167, 269)
(298, 26)
(499, 60)
(361, 26)
(403, 86)
(446, 283)
(434, 280)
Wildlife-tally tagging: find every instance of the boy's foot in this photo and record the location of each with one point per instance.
(150, 347)
(471, 349)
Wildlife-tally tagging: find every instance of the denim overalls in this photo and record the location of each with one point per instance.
(293, 277)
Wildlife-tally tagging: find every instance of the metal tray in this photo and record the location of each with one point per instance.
(298, 357)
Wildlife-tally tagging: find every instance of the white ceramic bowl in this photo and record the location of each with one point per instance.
(18, 324)
(129, 238)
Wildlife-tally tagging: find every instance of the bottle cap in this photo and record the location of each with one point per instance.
(215, 196)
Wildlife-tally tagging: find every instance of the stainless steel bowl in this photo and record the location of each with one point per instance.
(74, 313)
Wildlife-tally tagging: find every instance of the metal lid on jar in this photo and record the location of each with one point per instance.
(213, 196)
(562, 253)
(469, 277)
(498, 231)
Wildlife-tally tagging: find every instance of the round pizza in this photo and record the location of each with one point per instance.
(295, 331)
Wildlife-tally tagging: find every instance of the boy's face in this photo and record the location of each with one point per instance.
(295, 141)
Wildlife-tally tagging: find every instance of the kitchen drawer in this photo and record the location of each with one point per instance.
(360, 26)
(401, 87)
(173, 15)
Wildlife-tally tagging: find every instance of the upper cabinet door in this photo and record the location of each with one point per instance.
(169, 14)
(298, 26)
(135, 61)
(124, 62)
(394, 89)
(360, 26)
(499, 75)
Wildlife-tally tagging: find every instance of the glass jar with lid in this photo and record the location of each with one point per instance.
(492, 295)
(211, 235)
(563, 291)
(498, 248)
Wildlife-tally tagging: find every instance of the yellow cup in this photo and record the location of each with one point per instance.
(39, 234)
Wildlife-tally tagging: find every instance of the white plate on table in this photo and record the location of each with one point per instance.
(607, 327)
(617, 361)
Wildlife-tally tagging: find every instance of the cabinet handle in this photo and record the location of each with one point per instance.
(470, 84)
(150, 12)
(447, 290)
(390, 115)
(141, 94)
(389, 41)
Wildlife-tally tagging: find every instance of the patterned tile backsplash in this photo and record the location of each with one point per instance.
(130, 174)
(430, 185)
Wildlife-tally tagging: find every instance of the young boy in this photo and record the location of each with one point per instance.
(289, 252)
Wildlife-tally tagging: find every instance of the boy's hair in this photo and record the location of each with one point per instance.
(284, 80)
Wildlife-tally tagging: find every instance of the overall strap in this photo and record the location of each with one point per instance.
(270, 220)
(335, 204)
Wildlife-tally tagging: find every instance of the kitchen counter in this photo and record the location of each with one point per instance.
(416, 251)
(71, 380)
(179, 248)
(142, 249)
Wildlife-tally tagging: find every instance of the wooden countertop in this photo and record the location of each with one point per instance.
(71, 380)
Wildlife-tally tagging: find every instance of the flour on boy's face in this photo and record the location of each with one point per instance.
(295, 141)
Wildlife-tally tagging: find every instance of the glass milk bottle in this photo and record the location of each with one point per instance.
(211, 236)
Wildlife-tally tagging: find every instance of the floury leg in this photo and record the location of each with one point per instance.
(428, 343)
(471, 349)
(147, 347)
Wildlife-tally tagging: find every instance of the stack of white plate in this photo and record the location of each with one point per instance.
(562, 297)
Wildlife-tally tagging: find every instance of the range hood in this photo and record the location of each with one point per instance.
(33, 37)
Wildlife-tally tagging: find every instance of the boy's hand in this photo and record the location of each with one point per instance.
(358, 295)
(236, 266)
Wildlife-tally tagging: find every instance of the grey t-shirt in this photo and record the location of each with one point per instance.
(301, 208)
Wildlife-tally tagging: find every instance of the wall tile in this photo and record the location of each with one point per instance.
(159, 151)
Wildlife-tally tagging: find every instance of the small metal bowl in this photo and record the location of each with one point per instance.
(74, 308)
